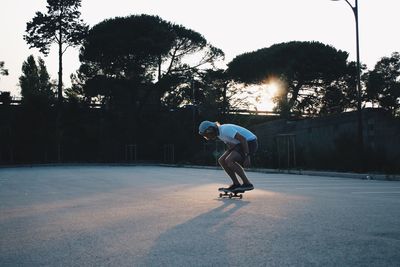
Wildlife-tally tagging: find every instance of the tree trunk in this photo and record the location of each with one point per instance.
(60, 97)
(60, 71)
(295, 94)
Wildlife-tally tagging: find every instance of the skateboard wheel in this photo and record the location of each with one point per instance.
(240, 196)
(230, 195)
(220, 195)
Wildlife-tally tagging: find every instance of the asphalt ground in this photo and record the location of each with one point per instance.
(160, 216)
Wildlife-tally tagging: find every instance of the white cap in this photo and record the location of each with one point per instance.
(204, 125)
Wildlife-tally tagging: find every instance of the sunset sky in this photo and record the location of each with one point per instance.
(234, 26)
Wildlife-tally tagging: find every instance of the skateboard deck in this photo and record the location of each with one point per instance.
(231, 193)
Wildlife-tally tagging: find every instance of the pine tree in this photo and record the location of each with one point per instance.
(35, 82)
(62, 26)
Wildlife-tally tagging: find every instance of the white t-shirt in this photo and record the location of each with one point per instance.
(227, 133)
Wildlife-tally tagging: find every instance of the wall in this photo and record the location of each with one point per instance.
(330, 142)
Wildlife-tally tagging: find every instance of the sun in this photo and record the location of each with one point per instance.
(268, 91)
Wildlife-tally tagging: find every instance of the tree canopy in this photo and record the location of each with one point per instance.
(383, 83)
(142, 56)
(122, 47)
(35, 82)
(301, 67)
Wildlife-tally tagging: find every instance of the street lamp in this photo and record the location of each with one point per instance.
(359, 113)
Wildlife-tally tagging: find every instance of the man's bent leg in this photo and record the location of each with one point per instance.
(232, 161)
(228, 170)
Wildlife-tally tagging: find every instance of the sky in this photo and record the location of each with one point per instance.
(234, 26)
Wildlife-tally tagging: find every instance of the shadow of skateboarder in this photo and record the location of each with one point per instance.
(200, 241)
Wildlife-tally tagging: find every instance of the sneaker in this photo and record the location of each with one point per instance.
(246, 187)
(229, 188)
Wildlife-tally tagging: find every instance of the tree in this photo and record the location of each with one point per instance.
(304, 68)
(208, 93)
(383, 83)
(35, 82)
(142, 57)
(35, 128)
(3, 71)
(335, 97)
(62, 26)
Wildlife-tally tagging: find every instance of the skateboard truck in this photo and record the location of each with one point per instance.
(231, 194)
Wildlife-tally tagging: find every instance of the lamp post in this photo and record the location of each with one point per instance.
(359, 107)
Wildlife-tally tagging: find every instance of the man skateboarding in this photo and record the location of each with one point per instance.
(241, 143)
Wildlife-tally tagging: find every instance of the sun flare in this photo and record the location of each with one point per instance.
(269, 90)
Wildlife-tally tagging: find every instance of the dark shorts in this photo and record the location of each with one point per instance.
(253, 146)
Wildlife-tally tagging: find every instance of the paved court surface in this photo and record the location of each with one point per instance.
(159, 216)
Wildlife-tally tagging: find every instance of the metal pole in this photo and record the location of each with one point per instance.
(360, 138)
(279, 155)
(288, 151)
(359, 107)
(193, 107)
(294, 151)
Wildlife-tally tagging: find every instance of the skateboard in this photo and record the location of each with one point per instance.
(230, 193)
